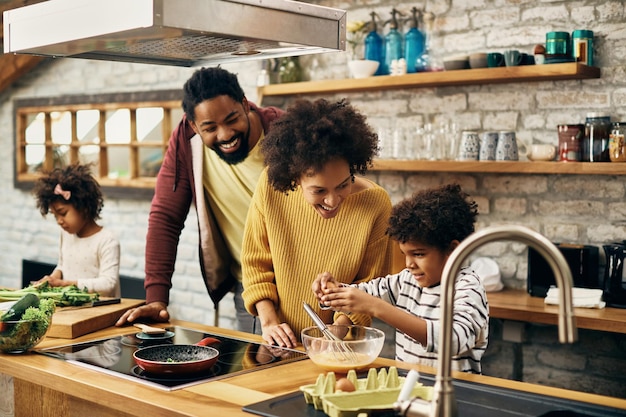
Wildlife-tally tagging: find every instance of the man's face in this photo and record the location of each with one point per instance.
(224, 126)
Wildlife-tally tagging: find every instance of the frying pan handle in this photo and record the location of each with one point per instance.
(207, 341)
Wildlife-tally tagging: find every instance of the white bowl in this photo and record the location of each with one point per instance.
(362, 68)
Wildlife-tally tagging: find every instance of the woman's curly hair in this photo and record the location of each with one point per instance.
(312, 133)
(85, 193)
(434, 217)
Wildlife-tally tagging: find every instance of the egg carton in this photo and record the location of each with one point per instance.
(378, 391)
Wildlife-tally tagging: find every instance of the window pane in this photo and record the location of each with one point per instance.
(150, 161)
(61, 127)
(149, 124)
(60, 156)
(87, 126)
(35, 129)
(119, 166)
(34, 157)
(90, 154)
(117, 127)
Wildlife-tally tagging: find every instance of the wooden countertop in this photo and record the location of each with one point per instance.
(70, 390)
(519, 305)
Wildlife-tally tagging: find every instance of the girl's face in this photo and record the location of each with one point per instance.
(326, 189)
(70, 219)
(425, 262)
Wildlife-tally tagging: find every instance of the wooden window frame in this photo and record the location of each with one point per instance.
(135, 186)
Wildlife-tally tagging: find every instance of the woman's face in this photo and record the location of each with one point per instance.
(326, 189)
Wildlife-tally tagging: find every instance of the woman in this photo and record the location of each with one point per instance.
(310, 213)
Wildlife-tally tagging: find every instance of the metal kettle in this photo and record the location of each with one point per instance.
(614, 275)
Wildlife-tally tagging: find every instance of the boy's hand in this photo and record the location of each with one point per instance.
(349, 300)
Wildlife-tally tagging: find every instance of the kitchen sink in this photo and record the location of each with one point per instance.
(473, 400)
(479, 400)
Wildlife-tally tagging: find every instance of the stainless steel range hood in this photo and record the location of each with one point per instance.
(174, 32)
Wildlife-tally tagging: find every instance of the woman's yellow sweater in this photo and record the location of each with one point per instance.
(286, 244)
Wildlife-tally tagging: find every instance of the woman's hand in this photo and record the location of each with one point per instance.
(279, 335)
(323, 284)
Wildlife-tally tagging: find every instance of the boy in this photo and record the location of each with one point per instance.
(427, 226)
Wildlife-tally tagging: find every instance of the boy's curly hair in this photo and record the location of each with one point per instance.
(85, 196)
(312, 133)
(208, 83)
(434, 217)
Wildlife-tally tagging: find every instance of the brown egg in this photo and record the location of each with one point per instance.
(345, 385)
(539, 49)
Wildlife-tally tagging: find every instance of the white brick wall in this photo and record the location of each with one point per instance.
(589, 209)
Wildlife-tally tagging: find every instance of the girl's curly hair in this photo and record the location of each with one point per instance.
(312, 133)
(85, 193)
(434, 217)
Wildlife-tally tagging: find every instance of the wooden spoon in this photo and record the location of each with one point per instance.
(149, 329)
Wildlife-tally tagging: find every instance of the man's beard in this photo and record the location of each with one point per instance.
(239, 155)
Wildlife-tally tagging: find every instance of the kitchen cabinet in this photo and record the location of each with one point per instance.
(480, 76)
(46, 386)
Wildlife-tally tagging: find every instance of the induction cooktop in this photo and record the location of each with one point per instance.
(114, 356)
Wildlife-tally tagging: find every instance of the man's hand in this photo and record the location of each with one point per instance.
(156, 311)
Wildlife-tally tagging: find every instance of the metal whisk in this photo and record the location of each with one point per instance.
(340, 349)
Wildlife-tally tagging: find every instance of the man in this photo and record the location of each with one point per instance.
(213, 161)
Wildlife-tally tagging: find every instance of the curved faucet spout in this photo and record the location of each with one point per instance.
(444, 402)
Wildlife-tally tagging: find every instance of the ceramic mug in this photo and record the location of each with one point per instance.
(488, 143)
(469, 146)
(495, 59)
(512, 58)
(506, 150)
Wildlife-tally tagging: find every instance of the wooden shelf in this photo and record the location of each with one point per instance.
(502, 167)
(500, 75)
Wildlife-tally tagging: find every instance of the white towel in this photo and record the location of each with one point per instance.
(581, 297)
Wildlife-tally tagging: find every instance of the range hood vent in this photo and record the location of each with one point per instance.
(174, 32)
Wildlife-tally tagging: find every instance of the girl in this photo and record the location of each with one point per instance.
(89, 255)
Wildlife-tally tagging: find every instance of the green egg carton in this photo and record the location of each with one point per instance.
(376, 392)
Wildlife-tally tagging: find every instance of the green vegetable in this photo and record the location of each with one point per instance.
(62, 296)
(19, 308)
(27, 331)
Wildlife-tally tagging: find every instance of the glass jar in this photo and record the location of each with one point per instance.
(595, 146)
(617, 147)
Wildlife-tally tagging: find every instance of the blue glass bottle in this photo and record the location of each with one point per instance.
(414, 43)
(374, 45)
(393, 43)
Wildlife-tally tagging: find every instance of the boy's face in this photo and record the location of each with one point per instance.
(424, 262)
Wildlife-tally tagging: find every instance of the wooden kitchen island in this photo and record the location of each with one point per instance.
(45, 386)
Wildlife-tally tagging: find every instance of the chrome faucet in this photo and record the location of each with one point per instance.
(443, 403)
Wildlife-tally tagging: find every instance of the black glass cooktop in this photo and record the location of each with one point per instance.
(114, 356)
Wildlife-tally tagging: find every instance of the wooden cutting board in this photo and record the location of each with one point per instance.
(71, 322)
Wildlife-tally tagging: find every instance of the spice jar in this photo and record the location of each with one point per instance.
(570, 137)
(617, 147)
(557, 44)
(595, 146)
(582, 46)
